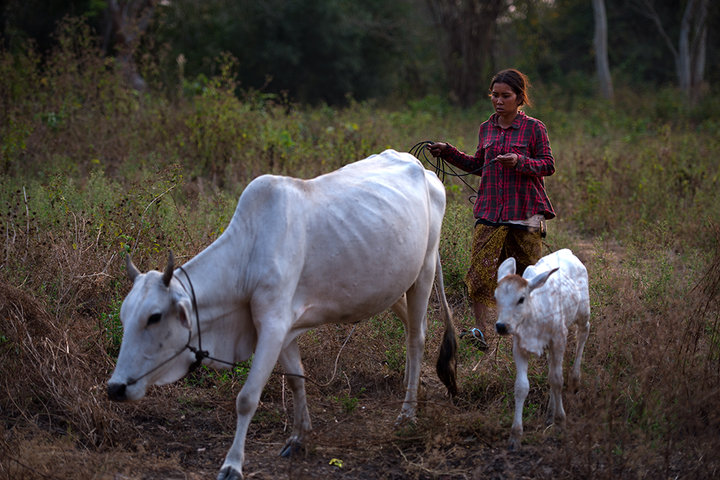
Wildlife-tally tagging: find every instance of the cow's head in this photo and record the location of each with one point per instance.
(156, 328)
(512, 296)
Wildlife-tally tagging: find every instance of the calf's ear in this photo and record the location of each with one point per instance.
(506, 268)
(539, 280)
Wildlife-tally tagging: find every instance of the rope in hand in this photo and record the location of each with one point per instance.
(442, 168)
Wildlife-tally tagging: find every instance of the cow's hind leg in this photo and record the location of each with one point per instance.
(400, 309)
(417, 301)
(292, 363)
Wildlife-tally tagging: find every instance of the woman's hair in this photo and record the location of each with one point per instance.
(517, 81)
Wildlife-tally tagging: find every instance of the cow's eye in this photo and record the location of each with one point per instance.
(154, 318)
(522, 299)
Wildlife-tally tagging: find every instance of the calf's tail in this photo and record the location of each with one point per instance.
(446, 366)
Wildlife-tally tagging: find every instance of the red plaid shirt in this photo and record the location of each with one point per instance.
(509, 193)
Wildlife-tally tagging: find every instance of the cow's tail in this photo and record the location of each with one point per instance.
(446, 367)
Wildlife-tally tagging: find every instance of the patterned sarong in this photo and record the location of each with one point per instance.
(491, 246)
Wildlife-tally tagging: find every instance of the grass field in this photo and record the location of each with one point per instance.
(91, 171)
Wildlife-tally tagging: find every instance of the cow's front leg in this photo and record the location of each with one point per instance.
(292, 363)
(266, 355)
(522, 387)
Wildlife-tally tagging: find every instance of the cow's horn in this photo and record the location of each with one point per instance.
(167, 275)
(132, 270)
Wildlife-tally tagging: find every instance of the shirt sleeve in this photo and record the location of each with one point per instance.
(540, 161)
(472, 164)
(469, 163)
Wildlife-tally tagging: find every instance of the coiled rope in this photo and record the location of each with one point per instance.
(442, 168)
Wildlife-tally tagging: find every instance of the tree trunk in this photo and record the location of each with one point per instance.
(601, 53)
(692, 44)
(698, 51)
(469, 27)
(129, 19)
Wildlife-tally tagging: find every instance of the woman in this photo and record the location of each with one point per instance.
(512, 157)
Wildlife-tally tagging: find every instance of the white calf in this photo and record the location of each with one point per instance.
(537, 310)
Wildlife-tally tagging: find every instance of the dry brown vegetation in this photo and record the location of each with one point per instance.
(91, 170)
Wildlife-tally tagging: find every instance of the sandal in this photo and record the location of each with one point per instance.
(476, 337)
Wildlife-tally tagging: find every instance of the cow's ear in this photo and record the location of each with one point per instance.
(506, 268)
(539, 280)
(184, 309)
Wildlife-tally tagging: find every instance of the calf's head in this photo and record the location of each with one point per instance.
(512, 296)
(155, 317)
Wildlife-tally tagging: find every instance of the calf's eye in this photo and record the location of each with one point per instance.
(522, 299)
(154, 318)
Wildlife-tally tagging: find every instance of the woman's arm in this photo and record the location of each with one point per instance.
(469, 163)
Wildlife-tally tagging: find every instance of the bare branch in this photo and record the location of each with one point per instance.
(647, 9)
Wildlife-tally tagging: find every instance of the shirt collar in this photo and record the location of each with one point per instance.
(516, 123)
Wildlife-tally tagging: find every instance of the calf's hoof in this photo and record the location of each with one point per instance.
(229, 473)
(514, 444)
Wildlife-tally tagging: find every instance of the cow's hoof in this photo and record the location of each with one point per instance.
(291, 448)
(229, 473)
(514, 445)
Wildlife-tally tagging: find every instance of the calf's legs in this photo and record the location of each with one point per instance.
(522, 387)
(583, 331)
(556, 412)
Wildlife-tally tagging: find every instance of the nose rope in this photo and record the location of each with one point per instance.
(132, 381)
(200, 354)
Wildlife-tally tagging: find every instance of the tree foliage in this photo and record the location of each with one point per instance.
(314, 50)
(330, 50)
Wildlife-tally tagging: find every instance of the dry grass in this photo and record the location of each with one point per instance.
(646, 407)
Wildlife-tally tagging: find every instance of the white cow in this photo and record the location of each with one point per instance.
(297, 254)
(537, 309)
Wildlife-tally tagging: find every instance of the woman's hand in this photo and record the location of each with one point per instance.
(508, 160)
(437, 149)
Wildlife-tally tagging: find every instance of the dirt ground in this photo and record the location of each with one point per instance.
(184, 432)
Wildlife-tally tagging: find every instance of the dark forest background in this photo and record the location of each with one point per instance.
(328, 51)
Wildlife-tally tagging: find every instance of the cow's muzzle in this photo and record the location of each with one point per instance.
(501, 328)
(117, 392)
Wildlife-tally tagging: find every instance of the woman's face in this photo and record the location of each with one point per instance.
(504, 99)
